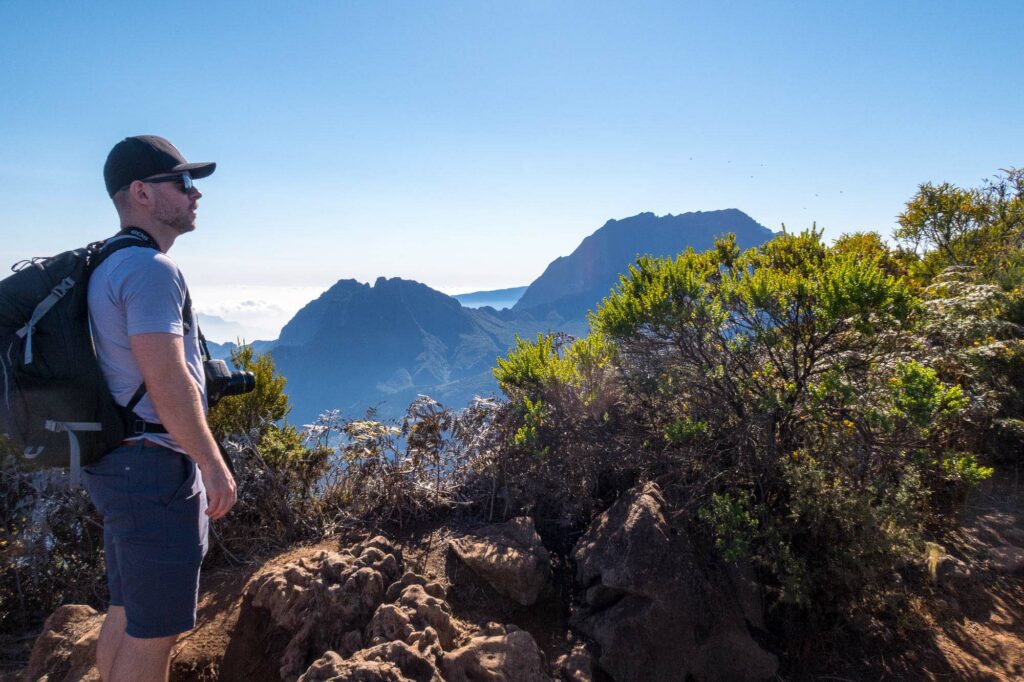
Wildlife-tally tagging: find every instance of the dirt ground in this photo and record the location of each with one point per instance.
(973, 631)
(978, 632)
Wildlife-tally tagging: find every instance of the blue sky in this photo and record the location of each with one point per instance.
(468, 144)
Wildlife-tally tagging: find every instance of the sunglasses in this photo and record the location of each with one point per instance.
(184, 181)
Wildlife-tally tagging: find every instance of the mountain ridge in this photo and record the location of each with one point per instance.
(359, 345)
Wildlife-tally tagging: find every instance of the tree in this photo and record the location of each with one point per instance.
(265, 404)
(982, 228)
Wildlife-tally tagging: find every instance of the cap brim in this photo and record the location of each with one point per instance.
(198, 170)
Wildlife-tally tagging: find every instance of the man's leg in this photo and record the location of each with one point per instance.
(142, 659)
(111, 636)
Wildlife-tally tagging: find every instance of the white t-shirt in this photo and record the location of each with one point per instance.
(139, 290)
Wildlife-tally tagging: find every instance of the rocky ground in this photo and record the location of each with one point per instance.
(634, 603)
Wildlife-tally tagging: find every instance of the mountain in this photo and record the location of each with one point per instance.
(497, 298)
(360, 346)
(573, 284)
(222, 351)
(215, 327)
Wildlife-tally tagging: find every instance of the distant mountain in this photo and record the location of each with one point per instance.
(360, 346)
(497, 298)
(222, 351)
(218, 328)
(573, 284)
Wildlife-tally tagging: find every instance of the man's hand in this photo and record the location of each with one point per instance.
(174, 393)
(220, 489)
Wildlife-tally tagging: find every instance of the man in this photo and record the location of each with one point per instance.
(150, 490)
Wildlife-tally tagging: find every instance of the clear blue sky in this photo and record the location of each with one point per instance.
(467, 144)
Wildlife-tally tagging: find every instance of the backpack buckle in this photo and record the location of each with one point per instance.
(139, 427)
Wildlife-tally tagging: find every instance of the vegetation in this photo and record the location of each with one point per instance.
(815, 410)
(818, 410)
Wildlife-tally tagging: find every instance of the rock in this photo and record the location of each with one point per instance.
(393, 661)
(514, 657)
(945, 570)
(389, 623)
(65, 651)
(332, 667)
(410, 578)
(656, 609)
(951, 573)
(576, 666)
(1007, 559)
(509, 556)
(414, 611)
(293, 613)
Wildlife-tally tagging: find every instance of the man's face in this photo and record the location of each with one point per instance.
(174, 206)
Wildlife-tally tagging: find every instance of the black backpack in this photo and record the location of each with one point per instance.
(55, 407)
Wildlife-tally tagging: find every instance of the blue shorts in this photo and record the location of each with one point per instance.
(155, 528)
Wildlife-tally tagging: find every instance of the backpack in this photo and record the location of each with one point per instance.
(56, 409)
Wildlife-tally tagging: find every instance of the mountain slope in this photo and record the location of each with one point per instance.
(573, 284)
(358, 346)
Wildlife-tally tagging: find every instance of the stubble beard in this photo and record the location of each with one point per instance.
(178, 218)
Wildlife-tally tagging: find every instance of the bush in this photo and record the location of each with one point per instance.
(50, 542)
(795, 396)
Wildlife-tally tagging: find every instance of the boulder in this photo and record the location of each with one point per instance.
(657, 610)
(496, 655)
(393, 661)
(509, 557)
(333, 668)
(414, 611)
(65, 651)
(410, 578)
(952, 574)
(292, 613)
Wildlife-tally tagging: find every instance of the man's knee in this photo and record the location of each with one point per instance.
(142, 658)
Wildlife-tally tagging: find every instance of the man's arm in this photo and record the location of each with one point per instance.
(161, 357)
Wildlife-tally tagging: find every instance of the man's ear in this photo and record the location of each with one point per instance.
(140, 193)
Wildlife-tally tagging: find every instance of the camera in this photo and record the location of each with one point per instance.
(222, 382)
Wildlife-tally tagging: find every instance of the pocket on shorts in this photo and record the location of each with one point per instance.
(177, 478)
(183, 508)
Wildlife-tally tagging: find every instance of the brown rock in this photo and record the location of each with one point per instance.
(333, 668)
(951, 573)
(389, 623)
(66, 649)
(658, 611)
(293, 613)
(513, 657)
(410, 578)
(509, 556)
(395, 661)
(426, 611)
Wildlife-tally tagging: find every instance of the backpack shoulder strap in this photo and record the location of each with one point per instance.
(134, 236)
(129, 236)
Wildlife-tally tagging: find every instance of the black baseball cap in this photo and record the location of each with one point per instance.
(142, 156)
